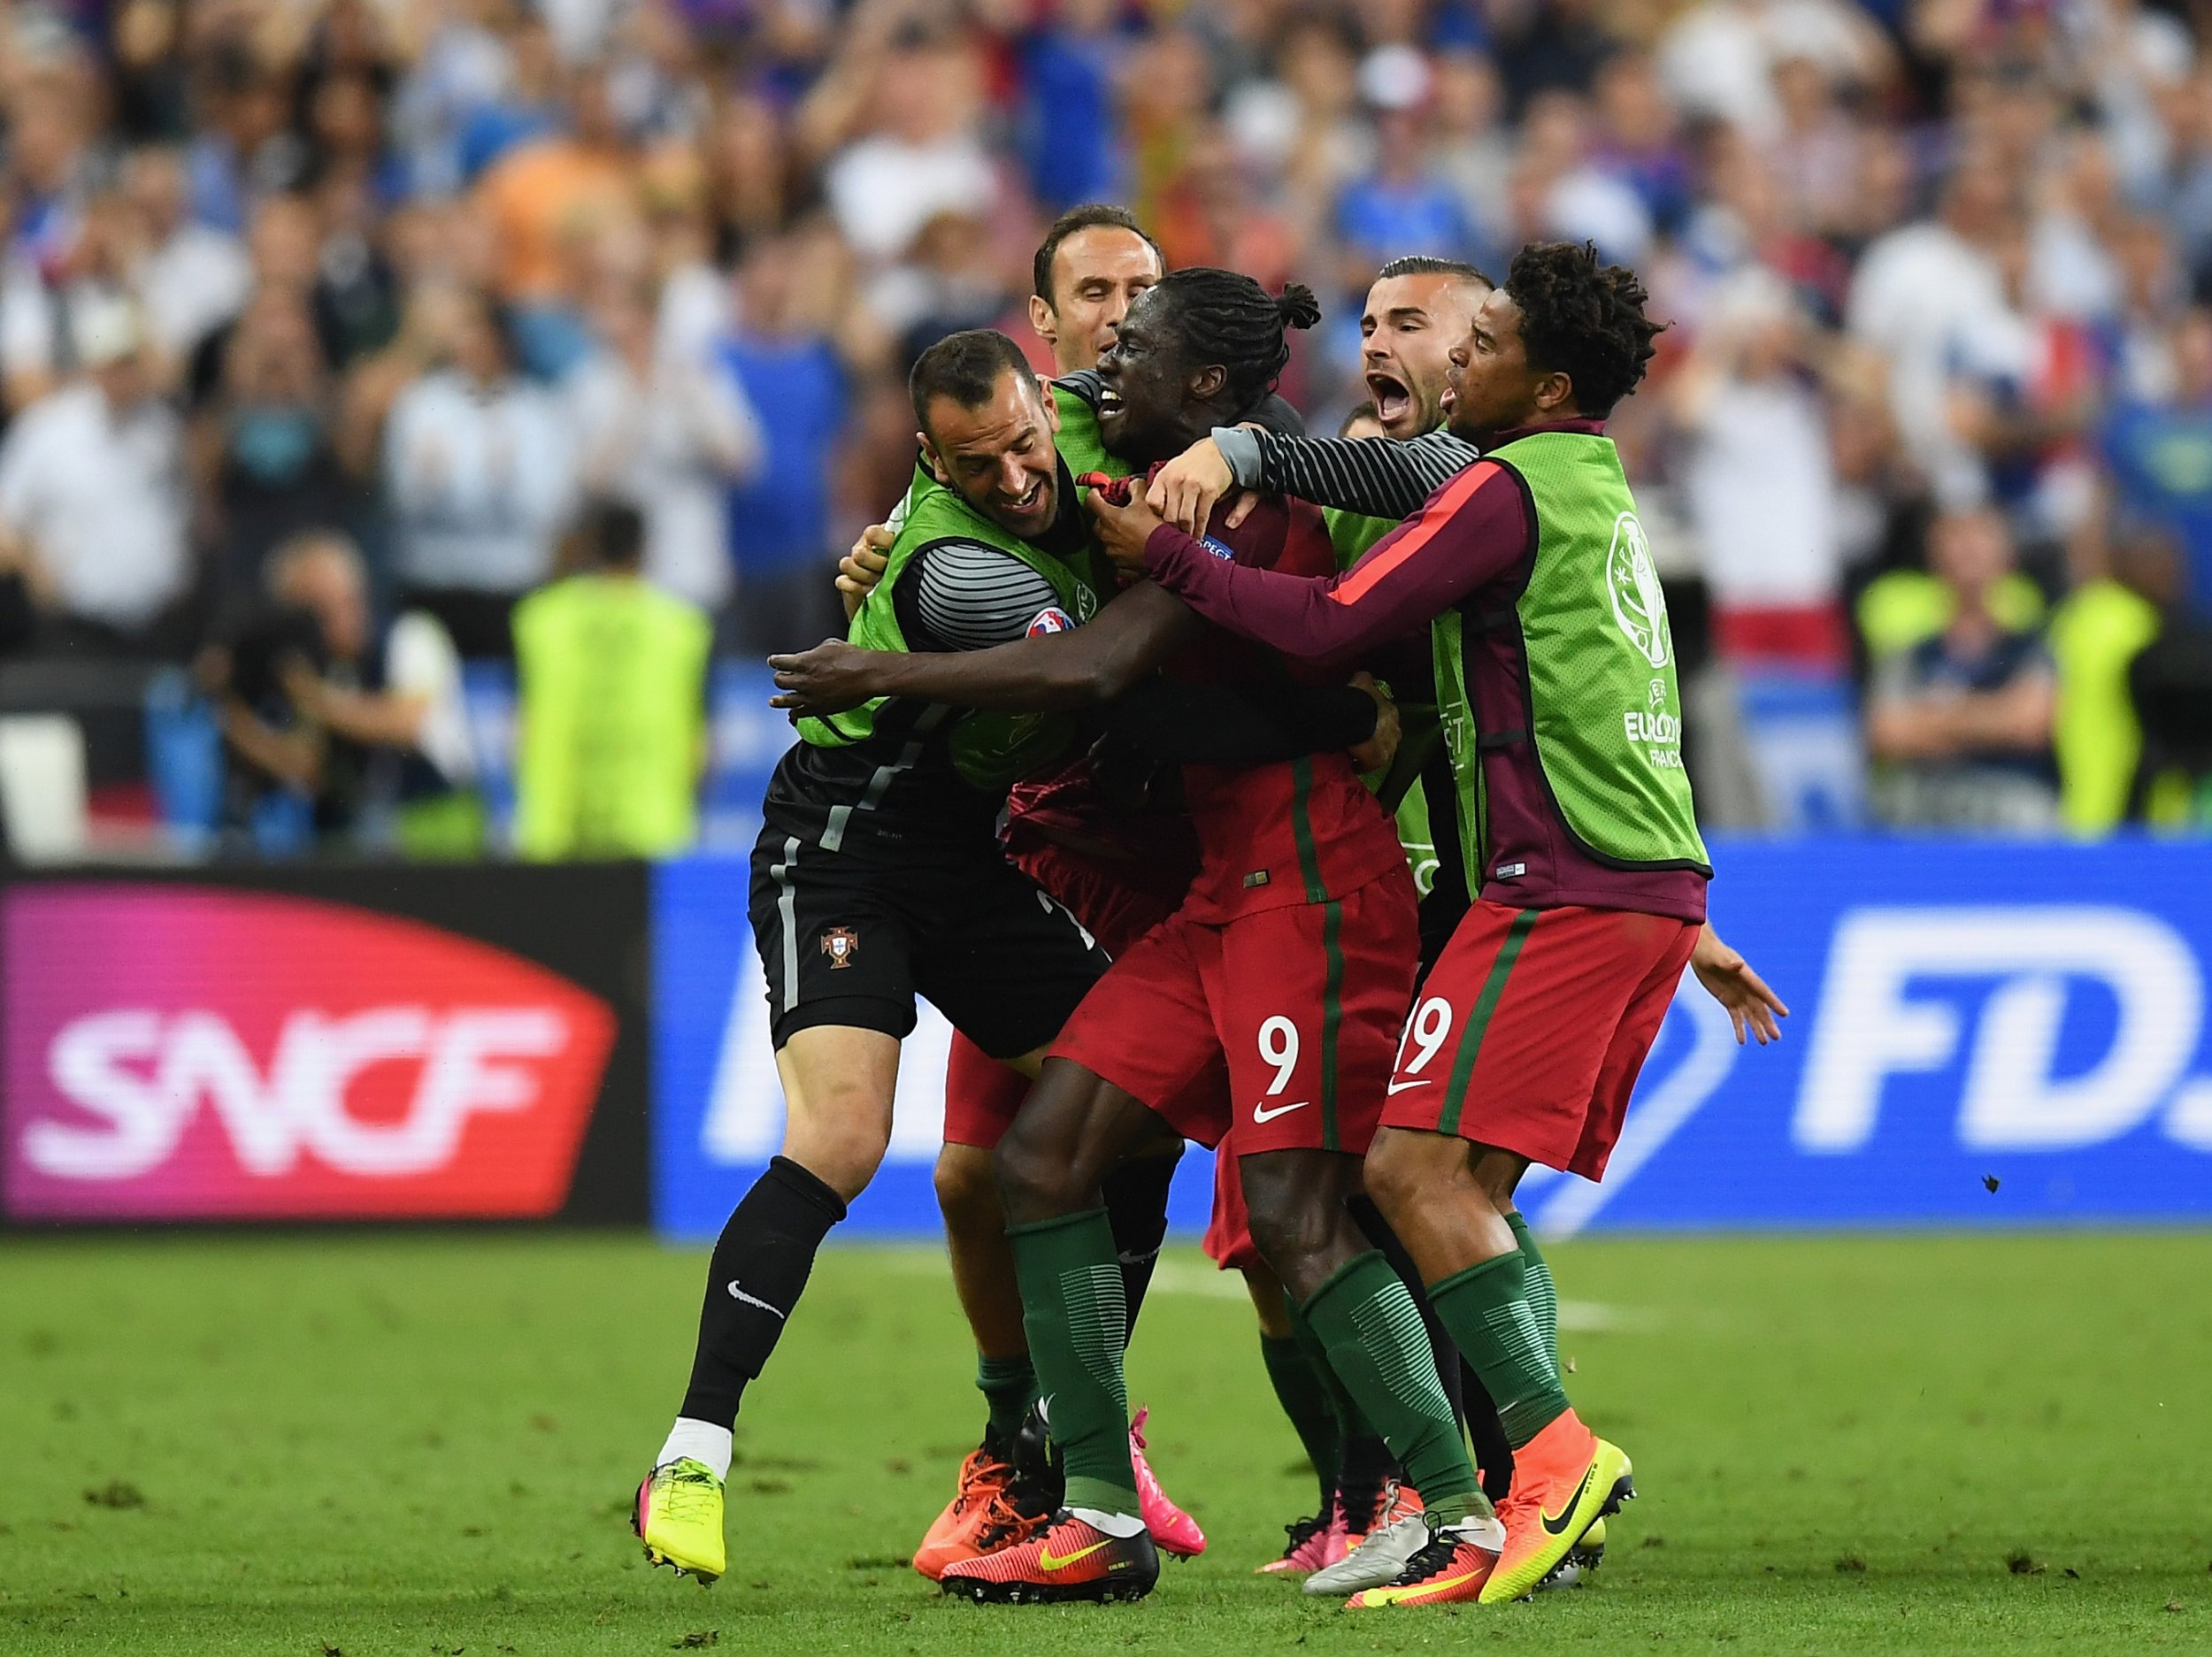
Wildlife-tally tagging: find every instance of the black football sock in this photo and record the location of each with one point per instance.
(1136, 1208)
(759, 1269)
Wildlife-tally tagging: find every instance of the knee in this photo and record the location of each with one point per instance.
(841, 1143)
(1306, 1246)
(1397, 1170)
(965, 1186)
(1039, 1176)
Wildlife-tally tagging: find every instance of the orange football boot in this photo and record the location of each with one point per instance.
(954, 1535)
(1565, 1480)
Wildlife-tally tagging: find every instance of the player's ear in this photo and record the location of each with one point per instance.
(930, 459)
(1051, 402)
(1042, 320)
(1553, 391)
(1207, 383)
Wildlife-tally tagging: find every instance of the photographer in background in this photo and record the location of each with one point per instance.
(313, 712)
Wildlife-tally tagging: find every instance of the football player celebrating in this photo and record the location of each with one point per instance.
(1291, 958)
(1555, 675)
(877, 874)
(1118, 871)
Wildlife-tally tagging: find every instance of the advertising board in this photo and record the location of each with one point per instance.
(301, 1047)
(1981, 1034)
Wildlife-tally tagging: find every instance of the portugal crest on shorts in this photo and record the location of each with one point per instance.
(842, 945)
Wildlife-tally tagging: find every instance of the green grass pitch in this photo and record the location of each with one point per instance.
(420, 1443)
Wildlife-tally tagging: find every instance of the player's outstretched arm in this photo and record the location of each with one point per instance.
(1373, 476)
(1081, 668)
(1728, 978)
(1469, 532)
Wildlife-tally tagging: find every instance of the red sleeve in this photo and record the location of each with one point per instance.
(1471, 531)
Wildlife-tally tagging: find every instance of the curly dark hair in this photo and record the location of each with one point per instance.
(1582, 319)
(1226, 317)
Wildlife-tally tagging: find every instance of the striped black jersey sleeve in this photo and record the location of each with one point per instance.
(968, 596)
(1377, 476)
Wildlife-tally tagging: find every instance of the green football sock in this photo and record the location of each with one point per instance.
(1488, 1309)
(1073, 1309)
(1379, 1347)
(1009, 1386)
(1542, 1295)
(1304, 1397)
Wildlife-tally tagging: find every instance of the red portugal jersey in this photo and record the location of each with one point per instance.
(1302, 831)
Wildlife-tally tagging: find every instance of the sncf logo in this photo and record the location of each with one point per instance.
(176, 1052)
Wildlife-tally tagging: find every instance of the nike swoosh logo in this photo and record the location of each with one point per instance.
(1399, 1087)
(1261, 1113)
(1048, 1560)
(737, 1293)
(1558, 1527)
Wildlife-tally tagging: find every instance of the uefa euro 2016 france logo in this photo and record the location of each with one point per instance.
(1640, 605)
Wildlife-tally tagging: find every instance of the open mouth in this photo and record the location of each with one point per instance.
(1393, 401)
(1030, 499)
(1109, 401)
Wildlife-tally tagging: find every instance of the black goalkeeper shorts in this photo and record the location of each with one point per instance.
(852, 939)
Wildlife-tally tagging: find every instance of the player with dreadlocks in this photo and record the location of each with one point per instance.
(1556, 674)
(1292, 960)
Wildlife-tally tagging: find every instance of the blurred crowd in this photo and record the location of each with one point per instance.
(315, 313)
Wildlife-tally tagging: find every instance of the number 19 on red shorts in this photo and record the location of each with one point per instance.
(1530, 1033)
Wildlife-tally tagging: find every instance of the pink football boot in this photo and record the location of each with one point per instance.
(1174, 1531)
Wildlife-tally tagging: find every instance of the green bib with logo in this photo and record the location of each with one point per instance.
(992, 750)
(1604, 713)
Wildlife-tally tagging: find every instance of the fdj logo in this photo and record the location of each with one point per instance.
(1639, 606)
(2018, 1093)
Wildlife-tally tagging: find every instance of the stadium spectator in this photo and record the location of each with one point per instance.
(903, 115)
(2160, 449)
(480, 475)
(669, 433)
(612, 678)
(91, 489)
(551, 187)
(1759, 478)
(264, 459)
(1961, 723)
(780, 536)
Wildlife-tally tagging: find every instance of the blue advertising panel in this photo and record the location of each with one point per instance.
(1981, 1034)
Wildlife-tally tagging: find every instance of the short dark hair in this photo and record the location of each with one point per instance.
(1364, 410)
(1424, 264)
(967, 367)
(1226, 317)
(1090, 216)
(613, 533)
(1582, 318)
